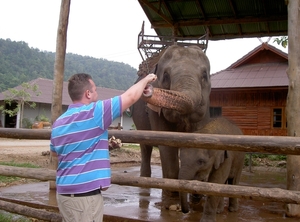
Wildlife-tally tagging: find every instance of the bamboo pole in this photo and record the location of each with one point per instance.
(293, 100)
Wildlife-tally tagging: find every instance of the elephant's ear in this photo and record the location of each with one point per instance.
(220, 157)
(154, 69)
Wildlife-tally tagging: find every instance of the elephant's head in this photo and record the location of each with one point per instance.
(183, 86)
(198, 164)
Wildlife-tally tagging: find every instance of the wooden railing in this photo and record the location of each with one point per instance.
(261, 144)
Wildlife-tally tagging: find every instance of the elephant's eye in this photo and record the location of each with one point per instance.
(204, 77)
(201, 162)
(166, 81)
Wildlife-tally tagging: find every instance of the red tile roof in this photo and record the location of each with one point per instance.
(250, 71)
(46, 87)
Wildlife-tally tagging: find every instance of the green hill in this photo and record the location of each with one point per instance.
(19, 63)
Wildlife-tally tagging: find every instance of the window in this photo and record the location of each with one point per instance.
(277, 118)
(215, 111)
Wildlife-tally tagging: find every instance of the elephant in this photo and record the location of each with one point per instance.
(215, 166)
(178, 102)
(140, 118)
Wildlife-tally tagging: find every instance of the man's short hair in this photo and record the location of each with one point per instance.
(78, 84)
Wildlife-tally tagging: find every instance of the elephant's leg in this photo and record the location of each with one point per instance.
(220, 207)
(220, 176)
(196, 198)
(210, 209)
(234, 179)
(233, 204)
(146, 151)
(169, 162)
(170, 169)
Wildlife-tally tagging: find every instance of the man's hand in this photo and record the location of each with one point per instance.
(151, 77)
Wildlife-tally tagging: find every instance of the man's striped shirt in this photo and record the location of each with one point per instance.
(80, 139)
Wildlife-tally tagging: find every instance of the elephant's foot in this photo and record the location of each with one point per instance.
(233, 205)
(169, 199)
(220, 207)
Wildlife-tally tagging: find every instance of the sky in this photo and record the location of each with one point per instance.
(101, 29)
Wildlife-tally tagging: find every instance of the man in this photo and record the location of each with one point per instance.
(79, 139)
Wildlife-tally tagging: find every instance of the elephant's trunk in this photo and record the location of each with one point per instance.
(185, 173)
(184, 202)
(168, 99)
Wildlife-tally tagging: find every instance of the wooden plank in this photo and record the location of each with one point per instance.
(265, 144)
(245, 192)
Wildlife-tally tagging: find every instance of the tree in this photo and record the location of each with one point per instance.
(283, 41)
(293, 102)
(21, 96)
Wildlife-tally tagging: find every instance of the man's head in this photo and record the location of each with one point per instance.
(82, 88)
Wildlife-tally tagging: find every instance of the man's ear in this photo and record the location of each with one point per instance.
(87, 94)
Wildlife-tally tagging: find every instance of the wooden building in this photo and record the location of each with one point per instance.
(252, 92)
(43, 104)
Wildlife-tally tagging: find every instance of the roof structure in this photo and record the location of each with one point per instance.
(220, 19)
(196, 22)
(46, 87)
(264, 66)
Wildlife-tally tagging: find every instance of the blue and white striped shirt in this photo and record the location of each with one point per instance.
(80, 139)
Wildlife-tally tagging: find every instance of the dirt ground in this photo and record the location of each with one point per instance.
(37, 153)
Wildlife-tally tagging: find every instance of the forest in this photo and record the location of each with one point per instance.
(19, 63)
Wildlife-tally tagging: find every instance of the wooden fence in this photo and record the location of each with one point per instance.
(262, 144)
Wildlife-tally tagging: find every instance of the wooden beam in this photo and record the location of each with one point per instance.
(259, 144)
(245, 192)
(220, 21)
(193, 186)
(157, 11)
(30, 212)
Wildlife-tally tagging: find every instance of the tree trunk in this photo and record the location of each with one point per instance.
(21, 113)
(293, 100)
(59, 67)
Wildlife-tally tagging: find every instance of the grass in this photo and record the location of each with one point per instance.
(5, 217)
(255, 157)
(131, 146)
(134, 146)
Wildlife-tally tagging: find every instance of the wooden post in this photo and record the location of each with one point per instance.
(59, 67)
(293, 100)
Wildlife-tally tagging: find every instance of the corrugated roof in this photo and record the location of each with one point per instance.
(224, 19)
(46, 86)
(243, 74)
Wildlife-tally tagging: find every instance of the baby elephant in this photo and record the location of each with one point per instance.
(215, 166)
